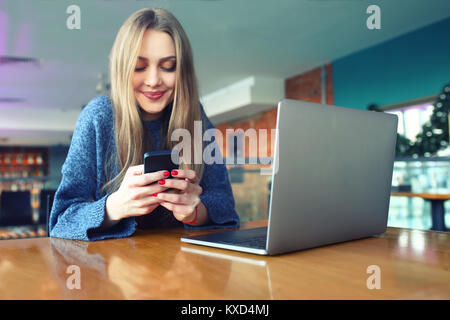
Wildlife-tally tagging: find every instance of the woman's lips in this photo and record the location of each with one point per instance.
(154, 95)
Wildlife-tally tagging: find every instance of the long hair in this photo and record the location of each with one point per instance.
(131, 137)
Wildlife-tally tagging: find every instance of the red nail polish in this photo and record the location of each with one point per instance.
(161, 182)
(166, 173)
(155, 195)
(174, 172)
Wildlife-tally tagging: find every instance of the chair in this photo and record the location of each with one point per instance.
(15, 208)
(45, 208)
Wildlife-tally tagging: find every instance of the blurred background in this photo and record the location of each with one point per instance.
(248, 55)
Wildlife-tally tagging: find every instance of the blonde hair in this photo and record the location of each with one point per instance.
(130, 133)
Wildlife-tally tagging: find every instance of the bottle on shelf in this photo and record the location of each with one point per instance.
(39, 160)
(7, 159)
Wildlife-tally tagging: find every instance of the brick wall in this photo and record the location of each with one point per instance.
(252, 194)
(307, 86)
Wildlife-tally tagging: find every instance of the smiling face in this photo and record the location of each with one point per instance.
(154, 77)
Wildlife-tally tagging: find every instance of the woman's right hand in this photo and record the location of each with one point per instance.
(135, 195)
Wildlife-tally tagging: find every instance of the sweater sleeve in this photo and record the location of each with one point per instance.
(217, 194)
(78, 210)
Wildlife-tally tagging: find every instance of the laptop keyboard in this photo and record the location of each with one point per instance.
(250, 238)
(258, 243)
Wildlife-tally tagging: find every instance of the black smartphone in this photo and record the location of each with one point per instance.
(160, 160)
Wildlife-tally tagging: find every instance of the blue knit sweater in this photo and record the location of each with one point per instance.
(79, 208)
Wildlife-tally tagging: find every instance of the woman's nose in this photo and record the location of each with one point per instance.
(152, 78)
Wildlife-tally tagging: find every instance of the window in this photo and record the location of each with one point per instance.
(412, 118)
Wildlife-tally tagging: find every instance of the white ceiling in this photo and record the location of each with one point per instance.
(231, 40)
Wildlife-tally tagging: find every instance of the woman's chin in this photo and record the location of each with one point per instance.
(151, 112)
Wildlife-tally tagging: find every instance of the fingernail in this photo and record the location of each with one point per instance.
(166, 173)
(174, 172)
(155, 195)
(161, 182)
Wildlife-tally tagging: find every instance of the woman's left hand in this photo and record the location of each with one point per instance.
(185, 196)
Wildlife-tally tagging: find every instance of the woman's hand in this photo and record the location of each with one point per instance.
(184, 200)
(135, 196)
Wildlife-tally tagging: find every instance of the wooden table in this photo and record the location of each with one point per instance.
(437, 207)
(154, 264)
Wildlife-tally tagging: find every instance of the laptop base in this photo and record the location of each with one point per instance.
(247, 240)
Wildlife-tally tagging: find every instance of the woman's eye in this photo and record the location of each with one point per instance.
(169, 69)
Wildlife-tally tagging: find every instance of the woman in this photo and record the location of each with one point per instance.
(103, 192)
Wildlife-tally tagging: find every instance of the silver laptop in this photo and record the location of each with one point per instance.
(331, 183)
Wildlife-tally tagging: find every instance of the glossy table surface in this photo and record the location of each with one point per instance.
(424, 195)
(154, 264)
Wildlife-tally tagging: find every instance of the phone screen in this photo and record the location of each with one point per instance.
(159, 160)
